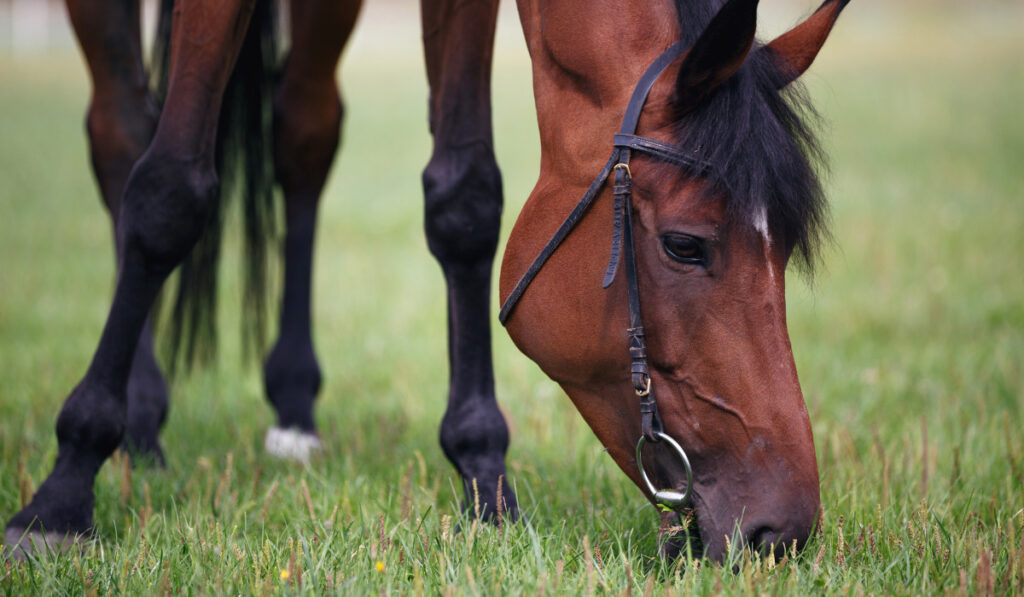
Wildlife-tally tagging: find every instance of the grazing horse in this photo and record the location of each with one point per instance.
(710, 190)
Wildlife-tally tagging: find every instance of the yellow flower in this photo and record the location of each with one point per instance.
(285, 575)
(379, 566)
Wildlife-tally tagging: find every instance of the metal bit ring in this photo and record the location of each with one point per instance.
(669, 498)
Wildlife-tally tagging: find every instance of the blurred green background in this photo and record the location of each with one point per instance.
(909, 342)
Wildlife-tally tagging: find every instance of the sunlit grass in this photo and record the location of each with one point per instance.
(909, 344)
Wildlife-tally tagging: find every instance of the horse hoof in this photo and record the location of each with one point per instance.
(20, 544)
(292, 444)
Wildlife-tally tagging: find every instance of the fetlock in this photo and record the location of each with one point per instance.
(292, 378)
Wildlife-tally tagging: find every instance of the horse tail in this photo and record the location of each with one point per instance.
(244, 159)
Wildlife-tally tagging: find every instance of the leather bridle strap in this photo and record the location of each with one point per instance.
(625, 142)
(650, 422)
(625, 139)
(560, 234)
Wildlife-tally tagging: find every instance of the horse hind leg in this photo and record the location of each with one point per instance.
(120, 122)
(462, 187)
(167, 199)
(307, 118)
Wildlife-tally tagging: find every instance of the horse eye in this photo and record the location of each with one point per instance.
(684, 248)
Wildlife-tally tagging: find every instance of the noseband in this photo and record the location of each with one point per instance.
(624, 143)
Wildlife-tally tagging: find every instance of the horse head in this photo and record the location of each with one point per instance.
(713, 231)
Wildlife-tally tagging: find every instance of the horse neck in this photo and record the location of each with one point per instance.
(587, 57)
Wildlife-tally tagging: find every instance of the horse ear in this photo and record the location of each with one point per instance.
(795, 50)
(717, 54)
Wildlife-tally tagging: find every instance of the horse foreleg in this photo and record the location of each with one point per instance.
(167, 199)
(307, 118)
(121, 119)
(462, 187)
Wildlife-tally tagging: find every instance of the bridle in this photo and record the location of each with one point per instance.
(626, 142)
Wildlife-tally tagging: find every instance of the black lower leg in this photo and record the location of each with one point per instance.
(474, 434)
(291, 373)
(92, 422)
(463, 198)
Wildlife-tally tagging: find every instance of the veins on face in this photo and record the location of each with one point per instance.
(721, 404)
(715, 401)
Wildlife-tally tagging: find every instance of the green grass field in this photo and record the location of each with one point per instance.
(909, 343)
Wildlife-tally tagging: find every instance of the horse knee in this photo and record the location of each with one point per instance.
(307, 130)
(166, 205)
(462, 187)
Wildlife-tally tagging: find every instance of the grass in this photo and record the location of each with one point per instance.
(909, 346)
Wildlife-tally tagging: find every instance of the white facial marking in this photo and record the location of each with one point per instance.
(292, 444)
(761, 225)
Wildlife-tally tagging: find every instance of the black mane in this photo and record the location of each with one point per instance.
(763, 154)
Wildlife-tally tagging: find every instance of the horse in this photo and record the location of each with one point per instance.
(709, 191)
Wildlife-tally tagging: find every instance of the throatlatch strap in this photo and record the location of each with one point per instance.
(563, 231)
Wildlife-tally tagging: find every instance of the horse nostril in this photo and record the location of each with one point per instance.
(764, 538)
(778, 538)
(785, 527)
